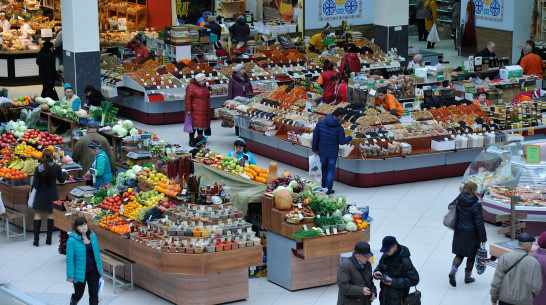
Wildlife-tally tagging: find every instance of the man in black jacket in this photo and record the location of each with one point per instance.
(354, 278)
(240, 30)
(396, 272)
(214, 27)
(489, 51)
(47, 72)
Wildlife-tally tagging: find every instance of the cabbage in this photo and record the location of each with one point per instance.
(133, 132)
(351, 227)
(293, 184)
(278, 189)
(129, 172)
(122, 132)
(127, 124)
(81, 113)
(348, 218)
(136, 168)
(337, 213)
(51, 103)
(116, 128)
(39, 100)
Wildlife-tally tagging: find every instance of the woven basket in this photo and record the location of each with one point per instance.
(144, 185)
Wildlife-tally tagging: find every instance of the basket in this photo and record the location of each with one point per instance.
(144, 185)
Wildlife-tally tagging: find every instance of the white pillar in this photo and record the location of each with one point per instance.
(391, 25)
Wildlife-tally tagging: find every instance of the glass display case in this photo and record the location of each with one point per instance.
(487, 165)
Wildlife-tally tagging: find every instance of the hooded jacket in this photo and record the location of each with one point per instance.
(540, 255)
(83, 155)
(198, 102)
(46, 194)
(400, 269)
(354, 65)
(46, 65)
(76, 257)
(215, 29)
(469, 229)
(327, 137)
(238, 85)
(240, 30)
(351, 280)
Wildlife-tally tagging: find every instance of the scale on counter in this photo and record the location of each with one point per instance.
(72, 166)
(139, 154)
(83, 190)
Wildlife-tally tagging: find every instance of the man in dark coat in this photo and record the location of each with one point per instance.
(396, 272)
(489, 51)
(214, 27)
(354, 278)
(47, 72)
(240, 30)
(327, 137)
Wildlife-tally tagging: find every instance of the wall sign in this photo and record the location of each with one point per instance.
(330, 10)
(489, 10)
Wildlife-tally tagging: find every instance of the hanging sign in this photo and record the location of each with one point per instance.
(340, 9)
(489, 10)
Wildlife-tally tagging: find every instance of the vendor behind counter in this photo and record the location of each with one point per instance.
(315, 45)
(387, 103)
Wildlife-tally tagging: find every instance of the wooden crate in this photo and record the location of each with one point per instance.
(274, 219)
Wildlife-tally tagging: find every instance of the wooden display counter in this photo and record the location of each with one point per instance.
(19, 68)
(208, 278)
(313, 262)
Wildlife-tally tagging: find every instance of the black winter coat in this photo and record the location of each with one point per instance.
(469, 229)
(215, 28)
(351, 280)
(46, 194)
(46, 65)
(400, 269)
(240, 31)
(95, 99)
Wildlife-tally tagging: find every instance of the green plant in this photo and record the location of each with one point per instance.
(314, 232)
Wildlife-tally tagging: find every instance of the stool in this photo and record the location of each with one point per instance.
(114, 260)
(12, 214)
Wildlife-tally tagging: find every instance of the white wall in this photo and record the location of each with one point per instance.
(391, 12)
(507, 23)
(522, 28)
(80, 25)
(312, 21)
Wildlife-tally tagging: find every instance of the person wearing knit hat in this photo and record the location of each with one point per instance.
(214, 27)
(70, 98)
(325, 80)
(198, 106)
(203, 19)
(239, 83)
(101, 165)
(540, 255)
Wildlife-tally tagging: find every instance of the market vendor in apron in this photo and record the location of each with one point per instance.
(387, 103)
(315, 45)
(241, 152)
(482, 98)
(24, 28)
(527, 96)
(340, 90)
(325, 80)
(100, 169)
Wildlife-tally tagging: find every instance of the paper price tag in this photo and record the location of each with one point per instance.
(375, 140)
(446, 139)
(193, 240)
(202, 208)
(300, 216)
(209, 209)
(334, 230)
(239, 231)
(193, 223)
(372, 92)
(299, 205)
(248, 230)
(305, 227)
(328, 231)
(184, 191)
(318, 215)
(200, 224)
(229, 221)
(228, 233)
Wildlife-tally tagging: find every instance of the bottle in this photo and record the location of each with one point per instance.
(223, 196)
(208, 195)
(215, 189)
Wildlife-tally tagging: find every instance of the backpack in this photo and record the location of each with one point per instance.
(428, 11)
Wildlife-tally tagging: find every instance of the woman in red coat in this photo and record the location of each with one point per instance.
(198, 105)
(350, 63)
(325, 80)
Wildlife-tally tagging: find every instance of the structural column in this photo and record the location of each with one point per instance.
(391, 25)
(81, 49)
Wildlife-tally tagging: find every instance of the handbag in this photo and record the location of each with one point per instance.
(450, 219)
(481, 255)
(413, 298)
(428, 12)
(188, 124)
(31, 197)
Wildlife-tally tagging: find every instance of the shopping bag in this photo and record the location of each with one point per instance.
(481, 257)
(31, 197)
(413, 298)
(188, 124)
(433, 35)
(2, 207)
(450, 219)
(315, 168)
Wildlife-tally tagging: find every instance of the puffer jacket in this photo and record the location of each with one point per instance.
(522, 284)
(354, 65)
(240, 30)
(400, 269)
(351, 280)
(76, 256)
(327, 137)
(469, 229)
(198, 102)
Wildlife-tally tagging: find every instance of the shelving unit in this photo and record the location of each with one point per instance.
(135, 12)
(230, 9)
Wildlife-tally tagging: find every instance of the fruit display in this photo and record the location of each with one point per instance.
(37, 137)
(12, 174)
(168, 187)
(28, 166)
(112, 203)
(7, 138)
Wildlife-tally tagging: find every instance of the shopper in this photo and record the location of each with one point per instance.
(489, 51)
(417, 60)
(327, 137)
(532, 63)
(430, 19)
(395, 271)
(532, 44)
(387, 103)
(160, 166)
(94, 97)
(325, 80)
(482, 98)
(214, 27)
(315, 45)
(200, 143)
(45, 177)
(198, 105)
(83, 262)
(5, 26)
(203, 20)
(239, 30)
(83, 155)
(420, 19)
(239, 83)
(518, 276)
(354, 278)
(455, 19)
(24, 27)
(241, 152)
(141, 51)
(101, 165)
(47, 72)
(540, 255)
(469, 232)
(340, 90)
(350, 63)
(73, 100)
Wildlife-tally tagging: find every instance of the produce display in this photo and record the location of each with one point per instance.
(232, 165)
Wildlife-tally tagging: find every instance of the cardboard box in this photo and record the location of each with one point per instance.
(511, 72)
(442, 143)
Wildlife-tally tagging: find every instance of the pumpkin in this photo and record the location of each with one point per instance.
(45, 107)
(285, 174)
(15, 104)
(283, 200)
(272, 173)
(306, 201)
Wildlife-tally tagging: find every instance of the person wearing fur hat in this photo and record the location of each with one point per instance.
(69, 97)
(239, 83)
(198, 105)
(482, 98)
(540, 255)
(214, 27)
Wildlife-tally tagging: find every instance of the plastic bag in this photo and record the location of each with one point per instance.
(315, 168)
(433, 35)
(188, 124)
(2, 207)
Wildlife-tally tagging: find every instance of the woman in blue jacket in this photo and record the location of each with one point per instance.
(101, 165)
(327, 137)
(83, 262)
(241, 152)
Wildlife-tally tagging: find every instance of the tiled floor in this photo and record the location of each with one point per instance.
(412, 212)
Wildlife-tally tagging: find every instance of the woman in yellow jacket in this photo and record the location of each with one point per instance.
(429, 22)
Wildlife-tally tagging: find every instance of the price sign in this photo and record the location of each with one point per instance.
(305, 227)
(533, 153)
